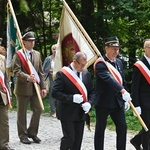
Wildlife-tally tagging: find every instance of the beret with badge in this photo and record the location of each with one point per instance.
(111, 41)
(28, 36)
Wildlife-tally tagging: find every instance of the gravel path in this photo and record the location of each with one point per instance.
(50, 134)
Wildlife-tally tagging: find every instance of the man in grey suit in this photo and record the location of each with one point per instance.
(25, 91)
(48, 66)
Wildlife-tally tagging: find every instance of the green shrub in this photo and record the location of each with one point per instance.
(132, 121)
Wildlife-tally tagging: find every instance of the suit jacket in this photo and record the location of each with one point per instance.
(140, 88)
(47, 67)
(63, 91)
(22, 87)
(3, 97)
(107, 89)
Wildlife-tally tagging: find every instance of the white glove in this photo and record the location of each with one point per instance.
(86, 107)
(126, 96)
(77, 98)
(126, 106)
(138, 109)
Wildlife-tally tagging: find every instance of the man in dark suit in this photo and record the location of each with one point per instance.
(141, 96)
(109, 92)
(25, 90)
(74, 95)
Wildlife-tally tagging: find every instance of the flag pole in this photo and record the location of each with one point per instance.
(99, 54)
(138, 116)
(22, 45)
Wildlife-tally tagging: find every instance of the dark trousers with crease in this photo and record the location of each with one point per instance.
(145, 136)
(51, 99)
(118, 117)
(72, 135)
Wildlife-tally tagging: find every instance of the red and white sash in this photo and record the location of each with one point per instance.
(115, 73)
(143, 69)
(25, 64)
(2, 83)
(76, 81)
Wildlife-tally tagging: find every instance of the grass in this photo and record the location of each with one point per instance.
(132, 122)
(45, 103)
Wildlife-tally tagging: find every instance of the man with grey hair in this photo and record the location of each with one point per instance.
(48, 67)
(140, 94)
(74, 92)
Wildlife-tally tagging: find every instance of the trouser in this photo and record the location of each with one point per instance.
(72, 135)
(51, 99)
(138, 137)
(118, 117)
(4, 127)
(22, 102)
(145, 135)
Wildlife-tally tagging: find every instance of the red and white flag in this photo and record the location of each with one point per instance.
(70, 41)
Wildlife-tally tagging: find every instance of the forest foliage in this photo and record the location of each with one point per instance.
(126, 19)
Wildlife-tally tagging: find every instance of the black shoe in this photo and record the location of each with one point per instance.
(25, 141)
(135, 144)
(35, 139)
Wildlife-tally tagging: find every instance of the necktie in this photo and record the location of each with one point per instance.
(31, 57)
(114, 64)
(78, 74)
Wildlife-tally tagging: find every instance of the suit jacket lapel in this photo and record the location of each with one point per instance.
(145, 62)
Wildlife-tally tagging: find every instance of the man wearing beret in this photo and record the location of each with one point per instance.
(110, 95)
(25, 91)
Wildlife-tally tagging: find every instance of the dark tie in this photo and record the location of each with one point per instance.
(114, 64)
(78, 74)
(31, 57)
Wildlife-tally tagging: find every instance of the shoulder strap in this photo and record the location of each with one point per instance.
(24, 62)
(113, 71)
(76, 81)
(2, 83)
(143, 69)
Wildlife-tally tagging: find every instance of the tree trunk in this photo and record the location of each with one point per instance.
(86, 15)
(2, 20)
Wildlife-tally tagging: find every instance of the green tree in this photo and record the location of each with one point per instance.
(127, 19)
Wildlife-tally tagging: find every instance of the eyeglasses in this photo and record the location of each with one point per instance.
(82, 65)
